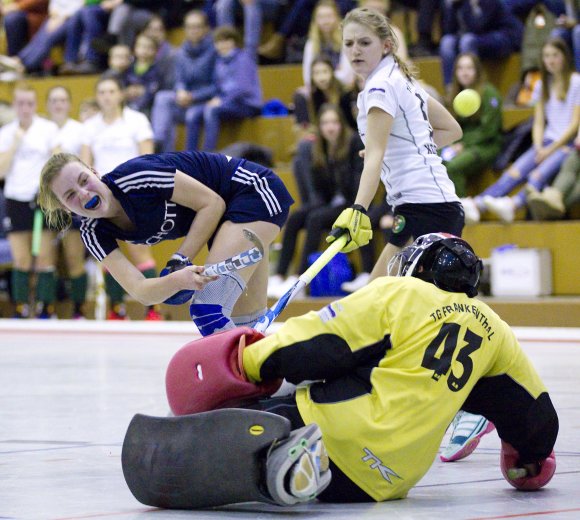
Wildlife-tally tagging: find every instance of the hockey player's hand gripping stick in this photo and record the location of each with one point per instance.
(34, 252)
(273, 312)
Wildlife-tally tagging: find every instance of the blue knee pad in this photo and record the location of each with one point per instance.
(211, 308)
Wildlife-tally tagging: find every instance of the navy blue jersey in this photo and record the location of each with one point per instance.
(144, 187)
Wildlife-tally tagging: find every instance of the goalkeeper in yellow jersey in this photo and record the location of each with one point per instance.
(380, 375)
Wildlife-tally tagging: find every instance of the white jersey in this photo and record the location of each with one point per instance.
(71, 136)
(115, 143)
(39, 141)
(412, 172)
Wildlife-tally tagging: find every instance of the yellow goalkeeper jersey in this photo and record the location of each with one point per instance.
(389, 367)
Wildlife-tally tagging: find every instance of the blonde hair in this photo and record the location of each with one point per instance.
(57, 216)
(23, 86)
(379, 24)
(314, 34)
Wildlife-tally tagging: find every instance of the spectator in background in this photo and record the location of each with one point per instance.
(521, 8)
(88, 23)
(556, 119)
(325, 37)
(88, 41)
(384, 7)
(327, 169)
(58, 106)
(554, 201)
(226, 16)
(143, 77)
(127, 19)
(165, 57)
(568, 28)
(113, 136)
(482, 139)
(483, 27)
(194, 81)
(25, 145)
(295, 23)
(323, 88)
(21, 19)
(426, 15)
(52, 32)
(239, 94)
(120, 60)
(88, 108)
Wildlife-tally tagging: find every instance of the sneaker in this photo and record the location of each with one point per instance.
(472, 215)
(503, 207)
(21, 312)
(354, 285)
(468, 429)
(117, 313)
(45, 311)
(153, 315)
(297, 469)
(547, 205)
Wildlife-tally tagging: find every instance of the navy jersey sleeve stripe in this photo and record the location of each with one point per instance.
(146, 179)
(262, 187)
(89, 237)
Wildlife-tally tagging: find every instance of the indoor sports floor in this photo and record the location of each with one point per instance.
(69, 390)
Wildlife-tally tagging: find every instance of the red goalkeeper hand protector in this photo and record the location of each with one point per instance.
(510, 461)
(206, 374)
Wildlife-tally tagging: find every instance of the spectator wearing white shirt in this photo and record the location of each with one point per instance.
(25, 145)
(58, 106)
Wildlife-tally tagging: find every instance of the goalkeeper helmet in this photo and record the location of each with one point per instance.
(442, 259)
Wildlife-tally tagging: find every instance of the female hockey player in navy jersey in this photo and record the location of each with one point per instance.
(401, 127)
(203, 198)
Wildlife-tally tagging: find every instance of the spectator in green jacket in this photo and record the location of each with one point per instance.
(481, 142)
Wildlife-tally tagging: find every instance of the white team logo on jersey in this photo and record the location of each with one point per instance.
(377, 463)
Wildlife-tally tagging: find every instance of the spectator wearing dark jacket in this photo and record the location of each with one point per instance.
(483, 27)
(327, 170)
(143, 78)
(194, 81)
(239, 92)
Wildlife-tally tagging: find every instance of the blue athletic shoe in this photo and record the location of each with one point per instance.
(468, 429)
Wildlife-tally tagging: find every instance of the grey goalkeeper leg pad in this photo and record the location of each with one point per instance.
(203, 460)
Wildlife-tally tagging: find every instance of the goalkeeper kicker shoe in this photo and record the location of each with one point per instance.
(468, 429)
(297, 469)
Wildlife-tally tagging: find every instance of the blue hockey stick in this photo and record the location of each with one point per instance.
(273, 312)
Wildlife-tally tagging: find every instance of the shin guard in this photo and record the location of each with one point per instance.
(212, 307)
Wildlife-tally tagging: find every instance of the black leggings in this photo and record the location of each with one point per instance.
(341, 488)
(315, 221)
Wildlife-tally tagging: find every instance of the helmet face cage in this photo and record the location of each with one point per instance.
(443, 259)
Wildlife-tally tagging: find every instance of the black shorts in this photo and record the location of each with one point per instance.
(413, 220)
(20, 216)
